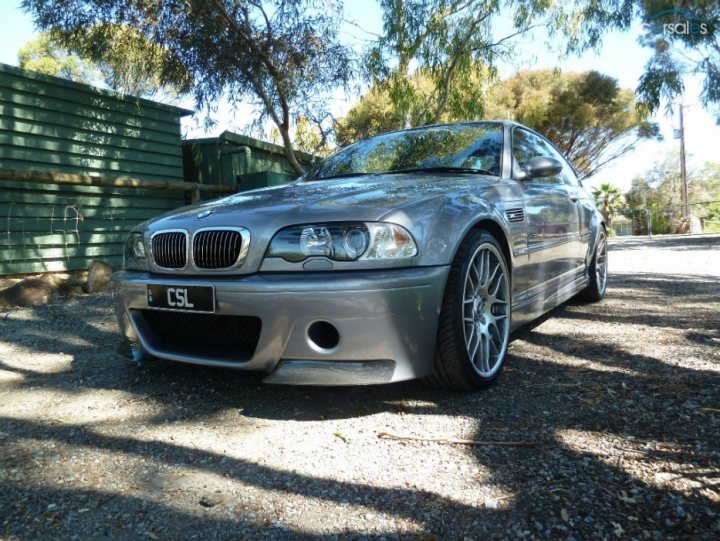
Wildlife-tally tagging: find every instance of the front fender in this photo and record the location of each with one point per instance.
(440, 225)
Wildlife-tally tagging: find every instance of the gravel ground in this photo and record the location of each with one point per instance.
(619, 399)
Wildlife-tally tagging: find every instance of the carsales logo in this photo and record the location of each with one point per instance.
(676, 21)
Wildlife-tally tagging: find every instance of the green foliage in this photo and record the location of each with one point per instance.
(129, 62)
(282, 55)
(115, 56)
(44, 56)
(377, 113)
(373, 114)
(691, 46)
(660, 189)
(609, 201)
(311, 138)
(444, 41)
(587, 115)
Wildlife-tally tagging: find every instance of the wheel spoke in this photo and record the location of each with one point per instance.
(495, 347)
(478, 275)
(492, 276)
(497, 287)
(486, 267)
(486, 353)
(477, 345)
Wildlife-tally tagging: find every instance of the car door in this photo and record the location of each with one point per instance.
(585, 204)
(552, 216)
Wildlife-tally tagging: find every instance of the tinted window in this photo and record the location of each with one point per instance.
(527, 145)
(568, 175)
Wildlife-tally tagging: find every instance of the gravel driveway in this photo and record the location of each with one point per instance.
(617, 401)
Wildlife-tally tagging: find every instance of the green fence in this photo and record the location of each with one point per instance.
(49, 124)
(49, 227)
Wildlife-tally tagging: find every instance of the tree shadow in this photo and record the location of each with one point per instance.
(625, 443)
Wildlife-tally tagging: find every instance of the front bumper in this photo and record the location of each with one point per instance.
(386, 321)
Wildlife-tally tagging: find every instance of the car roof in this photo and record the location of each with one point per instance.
(504, 122)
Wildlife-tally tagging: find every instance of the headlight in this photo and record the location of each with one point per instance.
(134, 256)
(343, 242)
(390, 241)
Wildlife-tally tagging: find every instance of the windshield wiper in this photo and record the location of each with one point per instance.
(341, 175)
(435, 169)
(441, 169)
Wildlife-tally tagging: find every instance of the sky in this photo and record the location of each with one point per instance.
(620, 56)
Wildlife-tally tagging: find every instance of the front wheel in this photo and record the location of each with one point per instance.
(474, 323)
(598, 270)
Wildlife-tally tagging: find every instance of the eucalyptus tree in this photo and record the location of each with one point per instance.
(129, 64)
(684, 38)
(587, 115)
(446, 41)
(283, 56)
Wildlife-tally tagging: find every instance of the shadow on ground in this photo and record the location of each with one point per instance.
(626, 444)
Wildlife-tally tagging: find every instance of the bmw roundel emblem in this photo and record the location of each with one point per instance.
(203, 214)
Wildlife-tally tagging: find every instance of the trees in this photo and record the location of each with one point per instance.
(376, 112)
(609, 201)
(43, 55)
(591, 119)
(446, 42)
(129, 64)
(587, 115)
(282, 55)
(682, 35)
(660, 189)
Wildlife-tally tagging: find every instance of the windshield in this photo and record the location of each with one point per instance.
(463, 147)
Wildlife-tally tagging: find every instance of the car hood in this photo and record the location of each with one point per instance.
(359, 199)
(365, 198)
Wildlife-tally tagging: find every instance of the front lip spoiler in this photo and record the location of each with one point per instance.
(328, 373)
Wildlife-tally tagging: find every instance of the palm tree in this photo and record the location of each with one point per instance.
(609, 200)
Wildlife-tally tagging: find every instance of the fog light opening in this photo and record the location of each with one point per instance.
(323, 335)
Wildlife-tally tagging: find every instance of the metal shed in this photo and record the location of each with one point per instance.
(238, 161)
(48, 124)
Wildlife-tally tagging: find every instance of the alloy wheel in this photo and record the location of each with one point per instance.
(486, 310)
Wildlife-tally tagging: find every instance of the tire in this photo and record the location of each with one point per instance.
(597, 271)
(474, 321)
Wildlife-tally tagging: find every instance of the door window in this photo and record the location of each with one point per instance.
(527, 145)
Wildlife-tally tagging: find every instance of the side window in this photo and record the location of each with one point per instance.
(527, 145)
(568, 175)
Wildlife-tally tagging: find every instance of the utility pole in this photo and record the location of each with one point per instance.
(683, 169)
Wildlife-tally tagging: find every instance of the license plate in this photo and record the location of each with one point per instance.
(183, 298)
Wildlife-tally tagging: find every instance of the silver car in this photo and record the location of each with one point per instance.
(412, 254)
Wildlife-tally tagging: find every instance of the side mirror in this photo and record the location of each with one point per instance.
(541, 167)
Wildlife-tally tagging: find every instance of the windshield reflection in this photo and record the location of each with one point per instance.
(473, 147)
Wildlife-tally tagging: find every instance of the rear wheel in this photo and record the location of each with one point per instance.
(474, 323)
(598, 270)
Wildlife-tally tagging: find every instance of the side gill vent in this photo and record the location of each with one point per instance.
(515, 215)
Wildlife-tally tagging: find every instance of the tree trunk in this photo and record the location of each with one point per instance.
(289, 152)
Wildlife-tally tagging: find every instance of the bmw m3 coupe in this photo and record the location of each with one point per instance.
(412, 254)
